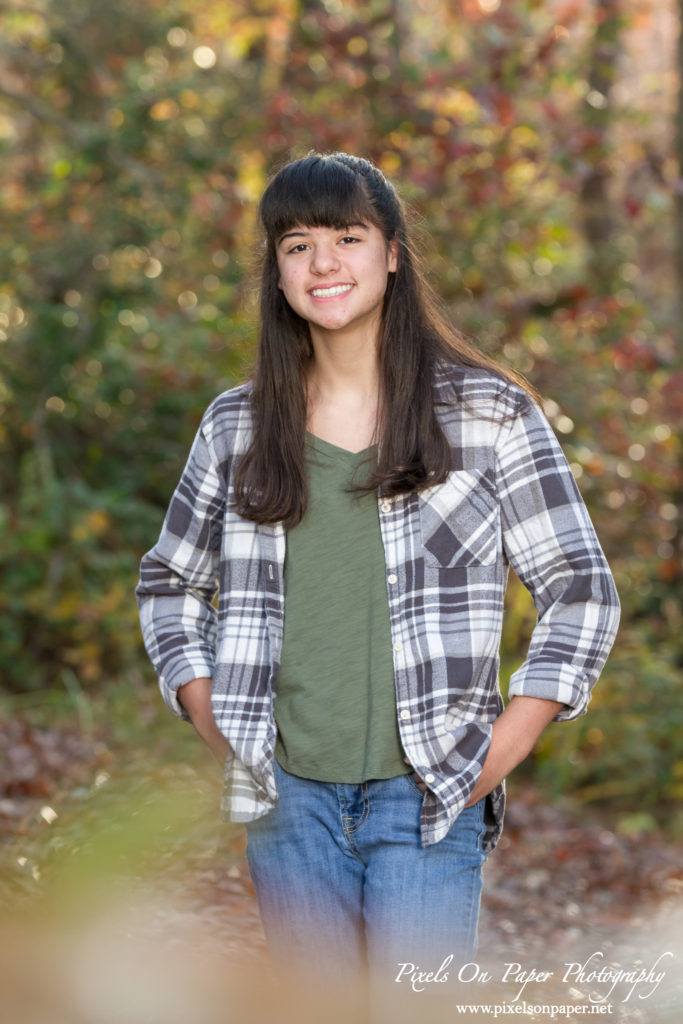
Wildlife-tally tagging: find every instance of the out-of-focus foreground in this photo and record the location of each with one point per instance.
(128, 901)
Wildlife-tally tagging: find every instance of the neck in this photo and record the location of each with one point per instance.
(343, 366)
(343, 390)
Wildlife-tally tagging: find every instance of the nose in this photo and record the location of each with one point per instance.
(325, 258)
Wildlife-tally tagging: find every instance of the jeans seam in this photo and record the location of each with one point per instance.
(365, 810)
(475, 903)
(364, 814)
(472, 920)
(344, 816)
(347, 832)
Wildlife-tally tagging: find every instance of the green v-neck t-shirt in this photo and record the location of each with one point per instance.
(335, 704)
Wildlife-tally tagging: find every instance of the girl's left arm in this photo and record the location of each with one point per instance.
(551, 544)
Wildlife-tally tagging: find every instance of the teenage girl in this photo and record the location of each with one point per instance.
(358, 503)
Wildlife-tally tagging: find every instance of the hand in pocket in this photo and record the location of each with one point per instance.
(421, 785)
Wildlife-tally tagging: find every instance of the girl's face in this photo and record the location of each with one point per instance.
(336, 278)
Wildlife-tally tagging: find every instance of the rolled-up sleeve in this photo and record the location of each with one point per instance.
(551, 544)
(178, 578)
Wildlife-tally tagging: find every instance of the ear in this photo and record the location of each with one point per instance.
(392, 256)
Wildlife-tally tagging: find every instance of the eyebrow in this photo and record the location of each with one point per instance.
(339, 227)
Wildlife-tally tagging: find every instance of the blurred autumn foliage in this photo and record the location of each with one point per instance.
(532, 139)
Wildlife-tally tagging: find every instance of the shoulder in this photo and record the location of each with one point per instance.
(231, 402)
(479, 392)
(226, 424)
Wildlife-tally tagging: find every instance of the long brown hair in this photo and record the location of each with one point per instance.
(335, 190)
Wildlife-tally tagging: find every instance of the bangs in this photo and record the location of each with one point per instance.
(318, 192)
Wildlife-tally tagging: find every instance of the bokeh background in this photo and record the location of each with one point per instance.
(539, 146)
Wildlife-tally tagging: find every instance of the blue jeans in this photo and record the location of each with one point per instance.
(344, 886)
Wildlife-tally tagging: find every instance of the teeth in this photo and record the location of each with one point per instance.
(337, 289)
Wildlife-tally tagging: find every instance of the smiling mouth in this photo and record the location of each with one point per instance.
(328, 293)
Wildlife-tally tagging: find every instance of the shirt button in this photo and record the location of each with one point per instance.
(392, 577)
(386, 506)
(398, 646)
(405, 714)
(429, 777)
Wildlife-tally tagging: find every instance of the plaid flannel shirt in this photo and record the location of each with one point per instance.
(510, 499)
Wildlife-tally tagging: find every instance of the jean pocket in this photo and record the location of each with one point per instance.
(411, 779)
(460, 520)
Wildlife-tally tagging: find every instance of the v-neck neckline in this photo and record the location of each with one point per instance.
(327, 448)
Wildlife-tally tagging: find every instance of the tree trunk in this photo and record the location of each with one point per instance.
(596, 213)
(678, 143)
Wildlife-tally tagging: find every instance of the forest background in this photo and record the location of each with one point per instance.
(537, 144)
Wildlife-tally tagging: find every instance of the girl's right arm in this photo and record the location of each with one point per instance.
(178, 582)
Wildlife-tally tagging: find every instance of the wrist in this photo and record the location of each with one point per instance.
(513, 736)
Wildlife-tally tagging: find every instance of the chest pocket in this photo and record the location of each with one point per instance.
(459, 520)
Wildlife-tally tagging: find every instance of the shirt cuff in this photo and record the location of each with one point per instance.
(553, 682)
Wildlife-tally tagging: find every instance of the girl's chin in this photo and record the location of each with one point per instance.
(330, 323)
